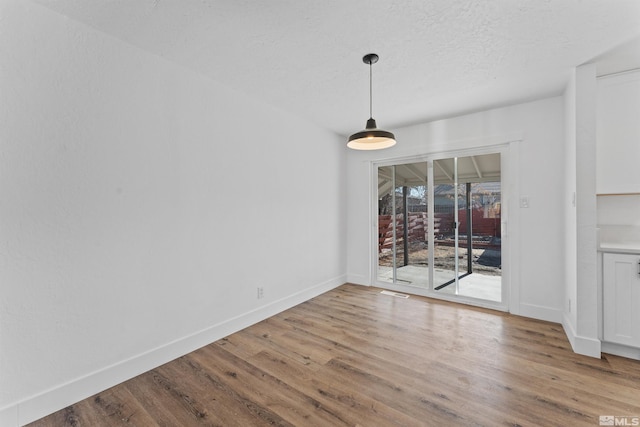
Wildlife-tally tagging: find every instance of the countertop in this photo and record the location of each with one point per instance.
(619, 238)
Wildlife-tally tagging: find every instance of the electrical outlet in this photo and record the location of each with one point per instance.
(260, 292)
(524, 201)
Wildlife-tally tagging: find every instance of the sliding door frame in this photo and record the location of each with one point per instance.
(509, 182)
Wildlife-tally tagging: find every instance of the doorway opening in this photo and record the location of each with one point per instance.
(439, 226)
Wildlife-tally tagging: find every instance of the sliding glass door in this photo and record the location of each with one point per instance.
(439, 226)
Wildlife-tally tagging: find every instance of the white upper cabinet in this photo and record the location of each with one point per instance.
(618, 134)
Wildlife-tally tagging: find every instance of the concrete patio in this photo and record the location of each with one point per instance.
(475, 285)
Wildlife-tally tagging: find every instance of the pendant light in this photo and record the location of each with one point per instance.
(371, 138)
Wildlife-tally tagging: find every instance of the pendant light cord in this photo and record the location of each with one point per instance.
(370, 90)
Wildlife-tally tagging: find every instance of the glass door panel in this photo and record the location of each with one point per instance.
(402, 249)
(386, 224)
(445, 202)
(486, 242)
(412, 259)
(465, 240)
(403, 224)
(472, 249)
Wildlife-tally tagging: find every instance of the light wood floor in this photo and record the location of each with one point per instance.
(355, 357)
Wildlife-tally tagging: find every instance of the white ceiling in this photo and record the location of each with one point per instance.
(438, 58)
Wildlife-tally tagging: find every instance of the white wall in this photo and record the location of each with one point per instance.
(140, 207)
(619, 210)
(538, 289)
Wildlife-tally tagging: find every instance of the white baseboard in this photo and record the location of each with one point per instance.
(60, 397)
(540, 313)
(621, 350)
(9, 416)
(582, 345)
(569, 331)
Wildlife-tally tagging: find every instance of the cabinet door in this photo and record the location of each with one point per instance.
(621, 299)
(618, 134)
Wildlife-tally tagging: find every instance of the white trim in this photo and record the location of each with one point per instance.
(632, 72)
(581, 345)
(461, 299)
(372, 171)
(541, 312)
(454, 149)
(59, 397)
(449, 146)
(621, 350)
(586, 346)
(373, 231)
(9, 416)
(510, 220)
(569, 331)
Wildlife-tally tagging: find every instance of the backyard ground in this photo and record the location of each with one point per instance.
(485, 261)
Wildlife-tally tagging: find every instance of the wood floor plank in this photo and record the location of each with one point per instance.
(273, 342)
(157, 395)
(218, 390)
(349, 405)
(118, 407)
(355, 357)
(294, 406)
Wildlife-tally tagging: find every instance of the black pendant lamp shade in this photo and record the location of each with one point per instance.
(371, 138)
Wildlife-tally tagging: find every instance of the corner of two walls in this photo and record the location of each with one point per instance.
(569, 319)
(587, 304)
(581, 314)
(140, 211)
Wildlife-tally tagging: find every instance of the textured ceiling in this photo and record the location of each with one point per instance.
(438, 58)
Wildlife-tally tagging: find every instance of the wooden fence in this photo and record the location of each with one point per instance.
(443, 227)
